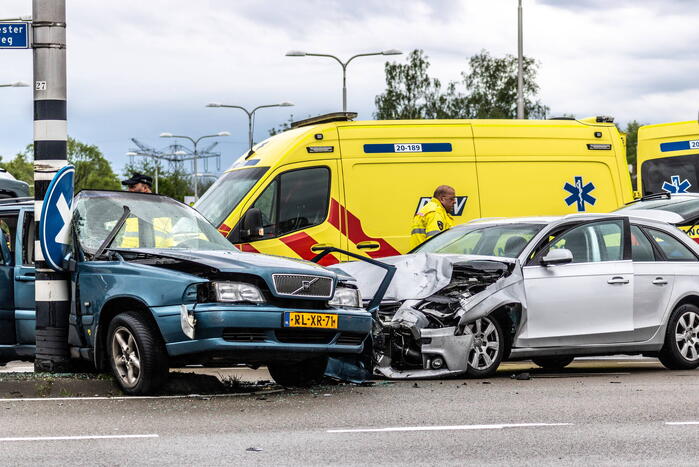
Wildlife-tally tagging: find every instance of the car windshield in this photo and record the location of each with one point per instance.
(224, 195)
(504, 240)
(686, 208)
(154, 222)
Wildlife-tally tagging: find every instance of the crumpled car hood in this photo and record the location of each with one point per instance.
(231, 261)
(418, 275)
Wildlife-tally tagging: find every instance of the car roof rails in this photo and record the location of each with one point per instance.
(7, 201)
(660, 195)
(326, 118)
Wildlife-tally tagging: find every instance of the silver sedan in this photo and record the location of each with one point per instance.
(546, 289)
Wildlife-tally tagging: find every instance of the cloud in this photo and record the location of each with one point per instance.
(137, 68)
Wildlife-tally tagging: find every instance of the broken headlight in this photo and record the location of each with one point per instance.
(237, 292)
(346, 297)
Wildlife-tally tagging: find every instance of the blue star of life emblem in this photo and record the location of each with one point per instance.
(675, 186)
(580, 194)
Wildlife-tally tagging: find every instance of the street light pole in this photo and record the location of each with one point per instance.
(298, 53)
(520, 66)
(250, 114)
(195, 153)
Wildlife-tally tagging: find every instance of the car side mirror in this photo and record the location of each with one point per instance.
(251, 225)
(557, 256)
(5, 255)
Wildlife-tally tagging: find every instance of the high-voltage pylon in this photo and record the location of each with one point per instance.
(176, 155)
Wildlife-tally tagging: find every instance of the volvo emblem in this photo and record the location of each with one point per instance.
(305, 285)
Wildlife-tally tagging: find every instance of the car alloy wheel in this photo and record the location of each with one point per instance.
(486, 344)
(127, 357)
(686, 335)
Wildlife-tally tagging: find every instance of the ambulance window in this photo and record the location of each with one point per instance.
(303, 198)
(267, 204)
(295, 200)
(224, 195)
(661, 174)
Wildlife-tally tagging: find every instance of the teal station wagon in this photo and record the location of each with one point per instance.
(156, 286)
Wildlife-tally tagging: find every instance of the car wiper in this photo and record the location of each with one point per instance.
(660, 195)
(112, 235)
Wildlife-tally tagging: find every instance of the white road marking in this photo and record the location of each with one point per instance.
(18, 369)
(448, 427)
(644, 362)
(130, 398)
(682, 423)
(77, 438)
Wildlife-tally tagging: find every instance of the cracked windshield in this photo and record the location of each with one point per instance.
(153, 222)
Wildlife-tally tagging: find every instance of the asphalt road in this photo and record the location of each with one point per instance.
(630, 412)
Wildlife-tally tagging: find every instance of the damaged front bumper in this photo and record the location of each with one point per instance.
(428, 335)
(443, 354)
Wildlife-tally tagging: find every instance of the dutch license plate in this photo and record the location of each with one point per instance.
(310, 320)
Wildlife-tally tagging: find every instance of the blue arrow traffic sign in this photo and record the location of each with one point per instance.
(56, 216)
(14, 35)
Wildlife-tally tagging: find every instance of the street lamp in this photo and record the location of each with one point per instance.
(196, 154)
(16, 84)
(251, 114)
(299, 53)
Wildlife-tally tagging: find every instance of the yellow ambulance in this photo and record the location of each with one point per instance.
(668, 158)
(355, 185)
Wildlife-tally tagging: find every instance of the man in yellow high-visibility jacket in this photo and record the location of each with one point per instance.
(435, 216)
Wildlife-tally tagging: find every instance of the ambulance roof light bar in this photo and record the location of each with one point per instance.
(326, 118)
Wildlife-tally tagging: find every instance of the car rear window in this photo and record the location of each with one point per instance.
(673, 249)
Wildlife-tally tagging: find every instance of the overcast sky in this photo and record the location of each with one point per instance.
(139, 68)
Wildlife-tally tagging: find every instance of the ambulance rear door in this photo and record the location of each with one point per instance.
(391, 170)
(531, 168)
(668, 158)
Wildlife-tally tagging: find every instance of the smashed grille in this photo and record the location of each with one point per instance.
(298, 285)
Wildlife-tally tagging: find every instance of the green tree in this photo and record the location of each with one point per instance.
(491, 87)
(487, 90)
(21, 168)
(92, 169)
(410, 91)
(631, 143)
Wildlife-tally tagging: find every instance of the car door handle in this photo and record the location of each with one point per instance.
(617, 280)
(25, 277)
(659, 281)
(318, 247)
(369, 245)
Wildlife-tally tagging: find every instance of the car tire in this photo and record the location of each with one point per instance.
(137, 354)
(298, 374)
(488, 347)
(553, 363)
(681, 348)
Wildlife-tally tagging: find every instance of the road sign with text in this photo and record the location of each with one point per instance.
(14, 35)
